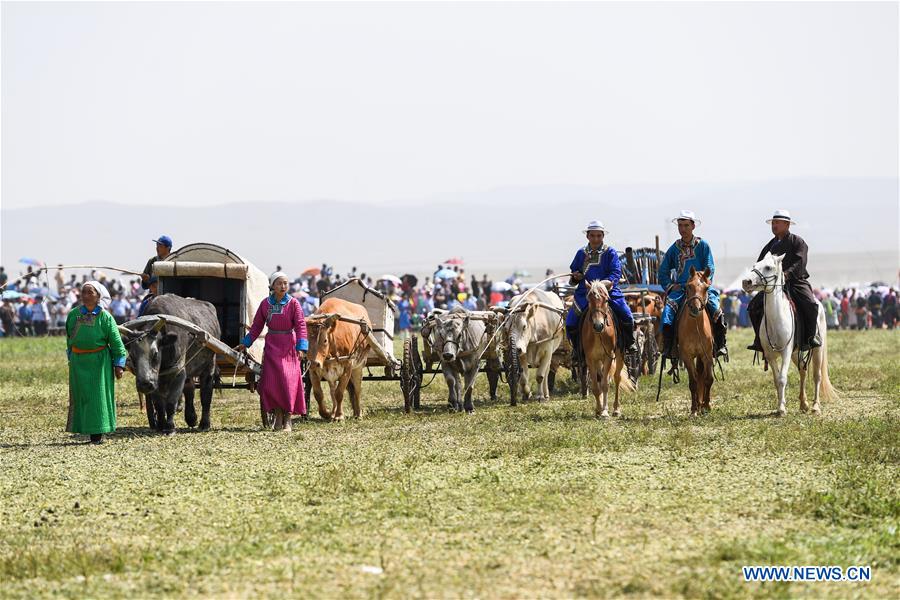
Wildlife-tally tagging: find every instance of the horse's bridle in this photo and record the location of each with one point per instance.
(604, 312)
(698, 298)
(767, 281)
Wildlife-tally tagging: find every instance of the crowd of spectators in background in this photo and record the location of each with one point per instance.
(38, 304)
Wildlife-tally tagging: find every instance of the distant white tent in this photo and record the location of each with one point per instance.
(735, 285)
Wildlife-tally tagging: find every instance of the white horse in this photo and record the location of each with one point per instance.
(777, 332)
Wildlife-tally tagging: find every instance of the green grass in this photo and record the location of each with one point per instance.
(540, 500)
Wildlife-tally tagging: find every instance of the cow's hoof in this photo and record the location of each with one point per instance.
(780, 412)
(604, 414)
(204, 426)
(816, 410)
(168, 432)
(337, 418)
(617, 413)
(191, 420)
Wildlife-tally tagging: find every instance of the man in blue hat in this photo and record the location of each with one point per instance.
(674, 271)
(598, 261)
(163, 249)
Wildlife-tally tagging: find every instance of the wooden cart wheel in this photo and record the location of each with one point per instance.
(651, 353)
(307, 383)
(417, 374)
(511, 365)
(406, 375)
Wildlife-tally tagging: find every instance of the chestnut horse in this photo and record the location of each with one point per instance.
(695, 339)
(601, 351)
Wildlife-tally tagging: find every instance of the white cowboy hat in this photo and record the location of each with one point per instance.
(595, 226)
(781, 215)
(687, 214)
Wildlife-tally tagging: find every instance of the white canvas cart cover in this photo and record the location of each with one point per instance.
(204, 260)
(380, 308)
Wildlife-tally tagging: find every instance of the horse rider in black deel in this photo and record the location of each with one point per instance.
(796, 281)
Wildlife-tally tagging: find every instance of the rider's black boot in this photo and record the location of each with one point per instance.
(720, 328)
(668, 333)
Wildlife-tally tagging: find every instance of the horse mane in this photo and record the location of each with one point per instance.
(596, 285)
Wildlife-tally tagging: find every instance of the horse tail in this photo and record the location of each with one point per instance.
(624, 380)
(827, 391)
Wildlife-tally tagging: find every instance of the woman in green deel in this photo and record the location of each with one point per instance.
(95, 352)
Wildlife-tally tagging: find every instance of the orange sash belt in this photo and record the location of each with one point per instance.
(77, 350)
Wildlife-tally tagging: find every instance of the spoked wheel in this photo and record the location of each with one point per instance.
(307, 383)
(633, 363)
(513, 369)
(407, 383)
(417, 374)
(651, 353)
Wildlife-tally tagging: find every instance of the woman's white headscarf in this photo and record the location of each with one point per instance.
(276, 275)
(105, 298)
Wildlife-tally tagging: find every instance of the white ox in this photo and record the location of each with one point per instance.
(535, 326)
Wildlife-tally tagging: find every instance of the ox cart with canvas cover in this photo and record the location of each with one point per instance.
(235, 287)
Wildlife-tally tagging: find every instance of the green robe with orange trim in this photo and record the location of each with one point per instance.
(94, 347)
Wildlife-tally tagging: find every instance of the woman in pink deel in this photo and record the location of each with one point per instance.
(281, 383)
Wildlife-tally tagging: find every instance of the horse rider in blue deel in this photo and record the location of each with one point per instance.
(597, 261)
(674, 272)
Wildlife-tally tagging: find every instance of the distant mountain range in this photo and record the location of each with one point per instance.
(850, 225)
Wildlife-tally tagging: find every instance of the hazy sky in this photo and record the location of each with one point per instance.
(205, 103)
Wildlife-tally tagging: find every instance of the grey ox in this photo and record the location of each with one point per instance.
(461, 339)
(165, 359)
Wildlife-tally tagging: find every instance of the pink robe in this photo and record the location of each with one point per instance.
(281, 383)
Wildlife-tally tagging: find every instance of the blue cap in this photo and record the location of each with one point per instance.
(164, 240)
(153, 279)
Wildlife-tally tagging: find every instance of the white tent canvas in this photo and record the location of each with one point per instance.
(380, 308)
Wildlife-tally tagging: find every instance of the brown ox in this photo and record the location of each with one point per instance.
(337, 354)
(601, 351)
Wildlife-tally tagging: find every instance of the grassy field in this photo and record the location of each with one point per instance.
(540, 500)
